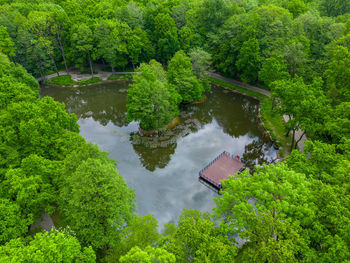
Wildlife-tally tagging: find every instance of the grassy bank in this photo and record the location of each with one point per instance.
(120, 76)
(273, 121)
(66, 80)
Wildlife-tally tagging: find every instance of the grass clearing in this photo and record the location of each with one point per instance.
(116, 77)
(66, 80)
(273, 121)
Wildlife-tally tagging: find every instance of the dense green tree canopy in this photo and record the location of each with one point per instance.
(13, 223)
(297, 210)
(94, 198)
(55, 246)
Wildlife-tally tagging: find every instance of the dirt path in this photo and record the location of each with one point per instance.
(45, 222)
(298, 133)
(241, 84)
(76, 76)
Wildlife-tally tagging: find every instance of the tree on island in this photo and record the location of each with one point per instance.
(181, 76)
(152, 100)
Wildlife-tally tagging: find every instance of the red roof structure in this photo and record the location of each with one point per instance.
(220, 168)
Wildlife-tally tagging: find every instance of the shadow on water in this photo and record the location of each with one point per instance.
(165, 178)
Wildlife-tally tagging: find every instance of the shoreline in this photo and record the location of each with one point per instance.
(85, 85)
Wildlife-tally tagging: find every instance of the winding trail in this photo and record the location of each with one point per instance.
(240, 84)
(76, 76)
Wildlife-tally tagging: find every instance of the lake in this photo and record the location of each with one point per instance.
(165, 179)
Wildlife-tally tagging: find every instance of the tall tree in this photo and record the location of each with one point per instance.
(248, 60)
(12, 223)
(272, 69)
(82, 40)
(149, 254)
(198, 239)
(55, 246)
(181, 76)
(151, 100)
(94, 198)
(201, 62)
(165, 33)
(6, 44)
(268, 210)
(305, 105)
(39, 24)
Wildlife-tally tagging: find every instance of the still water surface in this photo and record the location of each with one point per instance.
(165, 180)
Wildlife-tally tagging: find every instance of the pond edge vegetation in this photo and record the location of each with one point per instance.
(271, 120)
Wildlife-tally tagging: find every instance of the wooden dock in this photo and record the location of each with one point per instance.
(220, 168)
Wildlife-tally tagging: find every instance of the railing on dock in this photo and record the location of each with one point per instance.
(209, 180)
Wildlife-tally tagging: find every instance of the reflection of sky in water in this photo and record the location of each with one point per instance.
(228, 123)
(165, 192)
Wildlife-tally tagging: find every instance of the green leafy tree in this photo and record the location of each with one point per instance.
(36, 127)
(107, 39)
(94, 199)
(82, 40)
(248, 60)
(201, 62)
(337, 124)
(12, 223)
(12, 91)
(8, 68)
(141, 232)
(334, 7)
(328, 236)
(295, 57)
(267, 210)
(151, 100)
(338, 74)
(165, 33)
(198, 239)
(54, 246)
(181, 76)
(213, 13)
(148, 255)
(6, 44)
(140, 48)
(60, 22)
(31, 186)
(272, 69)
(297, 7)
(39, 24)
(305, 105)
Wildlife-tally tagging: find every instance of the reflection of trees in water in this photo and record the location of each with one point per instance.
(102, 103)
(236, 114)
(256, 153)
(155, 158)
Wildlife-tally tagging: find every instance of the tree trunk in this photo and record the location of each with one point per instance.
(296, 143)
(40, 66)
(113, 70)
(293, 138)
(62, 53)
(54, 63)
(92, 70)
(287, 134)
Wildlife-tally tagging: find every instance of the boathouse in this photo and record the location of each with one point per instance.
(220, 168)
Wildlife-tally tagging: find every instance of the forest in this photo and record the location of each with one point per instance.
(299, 50)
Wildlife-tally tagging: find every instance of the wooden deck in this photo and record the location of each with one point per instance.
(220, 168)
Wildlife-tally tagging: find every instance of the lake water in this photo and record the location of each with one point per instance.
(165, 179)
